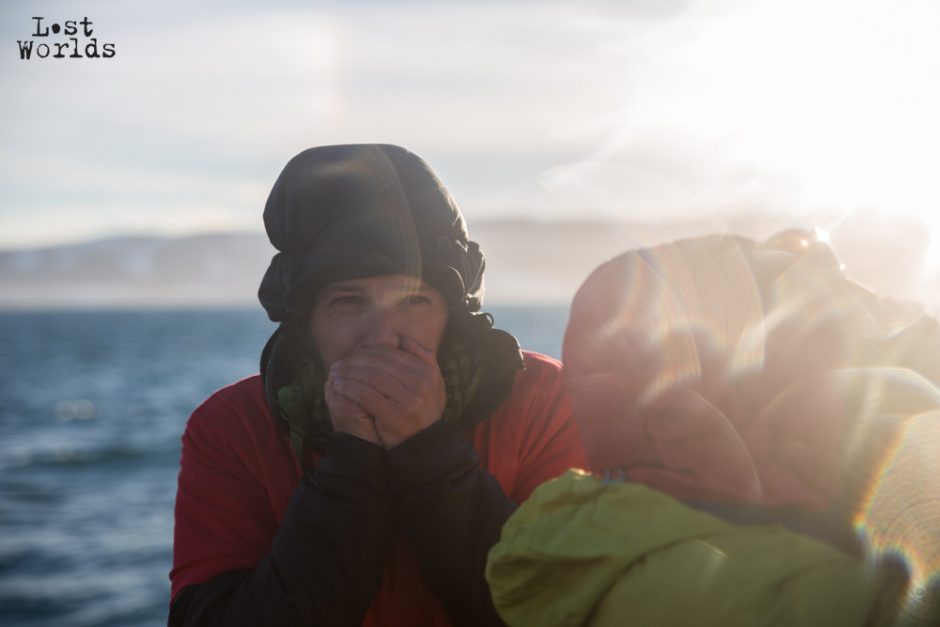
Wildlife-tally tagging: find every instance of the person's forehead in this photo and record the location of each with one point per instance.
(387, 282)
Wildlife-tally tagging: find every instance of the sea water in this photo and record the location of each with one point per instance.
(92, 407)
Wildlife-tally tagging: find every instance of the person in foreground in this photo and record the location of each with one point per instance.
(361, 477)
(765, 434)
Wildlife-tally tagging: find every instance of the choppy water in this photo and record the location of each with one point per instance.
(92, 406)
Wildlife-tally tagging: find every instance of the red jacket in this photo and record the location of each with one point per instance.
(238, 475)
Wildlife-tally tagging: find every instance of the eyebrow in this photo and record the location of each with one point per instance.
(414, 287)
(343, 287)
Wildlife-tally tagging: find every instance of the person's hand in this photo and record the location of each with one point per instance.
(400, 389)
(347, 416)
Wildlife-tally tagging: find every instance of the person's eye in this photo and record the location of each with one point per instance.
(416, 299)
(347, 300)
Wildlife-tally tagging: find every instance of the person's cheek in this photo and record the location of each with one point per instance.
(439, 331)
(429, 337)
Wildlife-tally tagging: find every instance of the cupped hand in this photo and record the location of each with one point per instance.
(401, 389)
(348, 416)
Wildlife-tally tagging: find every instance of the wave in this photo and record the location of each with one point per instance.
(114, 454)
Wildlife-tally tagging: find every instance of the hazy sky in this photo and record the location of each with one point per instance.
(652, 110)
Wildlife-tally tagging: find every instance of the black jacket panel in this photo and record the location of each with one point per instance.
(451, 511)
(326, 561)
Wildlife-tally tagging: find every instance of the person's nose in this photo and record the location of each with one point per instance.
(382, 328)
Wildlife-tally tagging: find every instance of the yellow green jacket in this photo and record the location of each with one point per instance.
(582, 551)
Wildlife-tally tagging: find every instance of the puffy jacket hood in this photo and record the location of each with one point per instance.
(725, 369)
(350, 211)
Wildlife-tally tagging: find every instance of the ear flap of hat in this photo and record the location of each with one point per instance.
(474, 287)
(446, 280)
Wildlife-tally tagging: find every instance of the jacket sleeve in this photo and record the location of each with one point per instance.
(451, 511)
(324, 564)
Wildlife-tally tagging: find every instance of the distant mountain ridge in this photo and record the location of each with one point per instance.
(205, 269)
(527, 262)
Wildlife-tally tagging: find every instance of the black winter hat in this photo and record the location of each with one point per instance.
(358, 210)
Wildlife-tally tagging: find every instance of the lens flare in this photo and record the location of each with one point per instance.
(900, 513)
